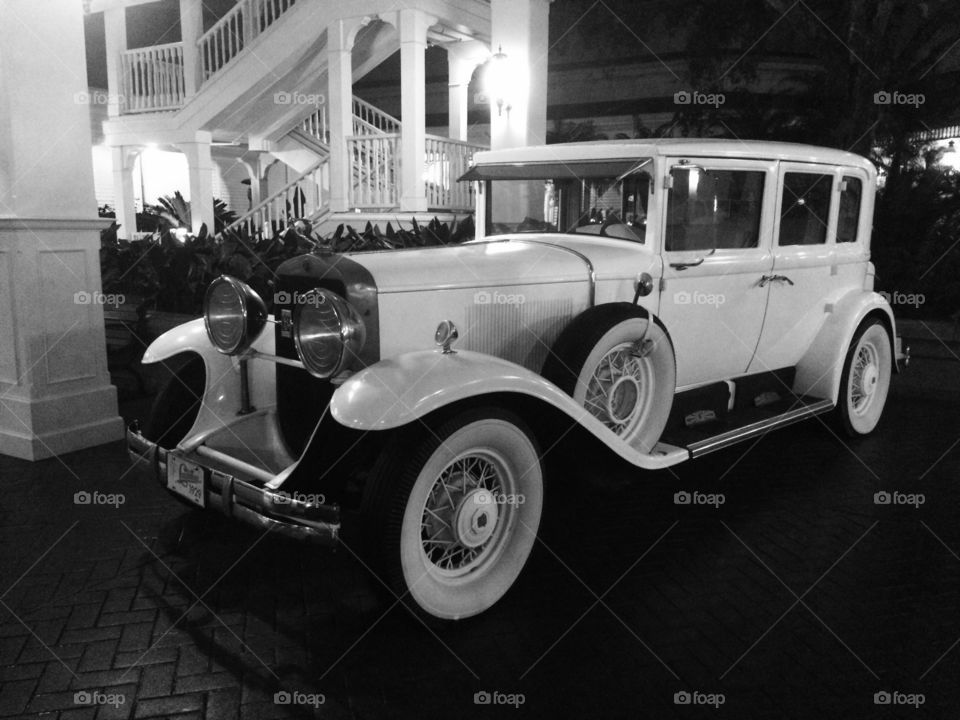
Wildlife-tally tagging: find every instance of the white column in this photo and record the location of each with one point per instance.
(200, 169)
(123, 160)
(340, 101)
(413, 107)
(520, 28)
(462, 59)
(191, 29)
(55, 391)
(115, 35)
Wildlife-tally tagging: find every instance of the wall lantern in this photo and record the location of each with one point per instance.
(950, 157)
(498, 80)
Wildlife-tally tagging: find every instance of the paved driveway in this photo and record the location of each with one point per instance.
(798, 597)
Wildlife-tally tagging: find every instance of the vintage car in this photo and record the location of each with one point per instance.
(668, 297)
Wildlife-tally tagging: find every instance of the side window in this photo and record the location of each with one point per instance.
(805, 208)
(849, 220)
(709, 209)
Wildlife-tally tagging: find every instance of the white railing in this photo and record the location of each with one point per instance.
(235, 30)
(370, 120)
(315, 125)
(375, 163)
(152, 78)
(304, 196)
(446, 160)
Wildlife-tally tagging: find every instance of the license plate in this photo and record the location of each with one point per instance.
(186, 479)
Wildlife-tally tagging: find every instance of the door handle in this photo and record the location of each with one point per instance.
(685, 265)
(775, 278)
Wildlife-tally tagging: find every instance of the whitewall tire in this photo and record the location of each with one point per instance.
(462, 517)
(865, 381)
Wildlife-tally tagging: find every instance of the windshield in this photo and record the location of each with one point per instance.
(614, 205)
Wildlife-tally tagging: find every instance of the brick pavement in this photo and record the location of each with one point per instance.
(799, 597)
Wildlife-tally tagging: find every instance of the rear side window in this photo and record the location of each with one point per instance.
(805, 208)
(714, 209)
(849, 221)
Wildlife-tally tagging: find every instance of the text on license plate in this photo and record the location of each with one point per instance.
(186, 479)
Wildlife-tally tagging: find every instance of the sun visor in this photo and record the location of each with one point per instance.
(575, 170)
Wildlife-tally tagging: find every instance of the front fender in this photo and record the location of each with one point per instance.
(819, 371)
(222, 387)
(398, 391)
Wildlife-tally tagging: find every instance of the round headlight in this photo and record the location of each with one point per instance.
(328, 332)
(234, 315)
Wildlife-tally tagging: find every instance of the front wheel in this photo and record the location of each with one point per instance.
(865, 381)
(461, 519)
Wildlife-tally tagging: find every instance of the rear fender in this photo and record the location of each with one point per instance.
(396, 392)
(819, 371)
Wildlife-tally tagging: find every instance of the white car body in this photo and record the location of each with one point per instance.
(746, 323)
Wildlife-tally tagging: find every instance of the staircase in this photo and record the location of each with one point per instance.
(245, 78)
(375, 167)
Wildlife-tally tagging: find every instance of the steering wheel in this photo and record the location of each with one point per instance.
(611, 220)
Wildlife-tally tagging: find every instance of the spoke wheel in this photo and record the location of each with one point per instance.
(618, 363)
(619, 390)
(865, 382)
(459, 517)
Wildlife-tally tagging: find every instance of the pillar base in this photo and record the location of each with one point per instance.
(41, 428)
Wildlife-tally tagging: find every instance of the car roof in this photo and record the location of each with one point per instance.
(667, 147)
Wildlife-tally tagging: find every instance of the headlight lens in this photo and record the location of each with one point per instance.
(234, 314)
(328, 331)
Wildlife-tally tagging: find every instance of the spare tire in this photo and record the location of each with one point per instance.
(618, 363)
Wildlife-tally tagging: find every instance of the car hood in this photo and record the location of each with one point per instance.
(511, 260)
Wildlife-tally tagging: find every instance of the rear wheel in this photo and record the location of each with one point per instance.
(865, 381)
(456, 524)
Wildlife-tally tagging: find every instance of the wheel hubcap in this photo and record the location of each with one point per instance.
(476, 518)
(623, 399)
(461, 520)
(618, 391)
(865, 377)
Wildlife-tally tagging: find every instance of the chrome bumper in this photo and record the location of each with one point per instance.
(902, 355)
(241, 499)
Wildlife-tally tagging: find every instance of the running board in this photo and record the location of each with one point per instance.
(732, 437)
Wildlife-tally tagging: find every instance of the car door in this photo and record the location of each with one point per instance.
(804, 263)
(715, 247)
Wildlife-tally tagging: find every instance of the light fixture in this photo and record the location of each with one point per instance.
(498, 80)
(950, 157)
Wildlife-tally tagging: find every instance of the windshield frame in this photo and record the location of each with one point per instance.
(572, 215)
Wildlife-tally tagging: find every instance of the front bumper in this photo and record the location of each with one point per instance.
(240, 498)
